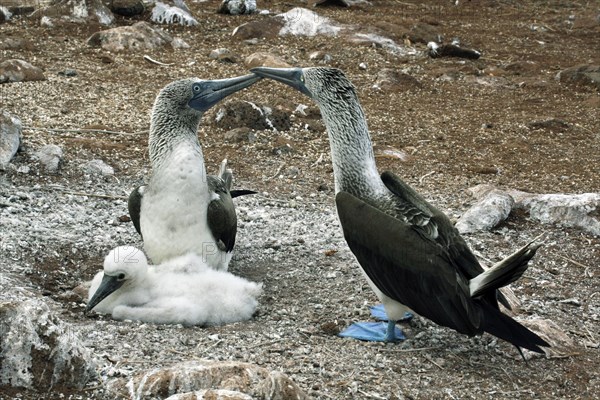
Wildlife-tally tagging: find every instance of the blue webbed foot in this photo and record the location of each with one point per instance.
(374, 331)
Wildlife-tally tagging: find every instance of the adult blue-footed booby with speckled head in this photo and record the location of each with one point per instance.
(182, 209)
(412, 256)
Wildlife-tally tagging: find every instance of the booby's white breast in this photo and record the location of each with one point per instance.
(174, 209)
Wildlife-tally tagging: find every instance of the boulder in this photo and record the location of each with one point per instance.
(237, 7)
(10, 137)
(98, 167)
(392, 79)
(50, 156)
(238, 114)
(191, 376)
(38, 350)
(262, 59)
(303, 22)
(19, 71)
(491, 209)
(139, 36)
(126, 8)
(224, 55)
(78, 11)
(587, 75)
(4, 14)
(263, 28)
(569, 210)
(176, 13)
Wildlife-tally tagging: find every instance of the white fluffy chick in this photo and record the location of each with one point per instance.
(183, 290)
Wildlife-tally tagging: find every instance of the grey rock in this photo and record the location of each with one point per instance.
(392, 79)
(139, 36)
(98, 167)
(264, 28)
(241, 377)
(224, 55)
(77, 11)
(39, 350)
(569, 210)
(10, 137)
(126, 8)
(19, 71)
(320, 57)
(588, 75)
(424, 33)
(338, 3)
(5, 14)
(238, 114)
(69, 72)
(21, 7)
(491, 209)
(237, 7)
(242, 134)
(11, 43)
(262, 59)
(176, 13)
(50, 156)
(552, 124)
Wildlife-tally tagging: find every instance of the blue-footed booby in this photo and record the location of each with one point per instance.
(183, 209)
(183, 290)
(412, 256)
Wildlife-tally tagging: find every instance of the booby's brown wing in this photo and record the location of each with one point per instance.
(406, 267)
(448, 236)
(222, 220)
(134, 205)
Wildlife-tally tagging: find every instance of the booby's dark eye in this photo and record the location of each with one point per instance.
(121, 276)
(196, 88)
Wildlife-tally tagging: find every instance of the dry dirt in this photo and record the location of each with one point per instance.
(470, 129)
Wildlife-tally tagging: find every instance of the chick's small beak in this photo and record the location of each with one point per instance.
(108, 285)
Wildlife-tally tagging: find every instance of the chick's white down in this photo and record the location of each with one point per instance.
(183, 290)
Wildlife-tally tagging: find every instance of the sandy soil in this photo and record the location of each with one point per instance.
(468, 123)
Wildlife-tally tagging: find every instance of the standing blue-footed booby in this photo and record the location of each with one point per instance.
(182, 209)
(411, 254)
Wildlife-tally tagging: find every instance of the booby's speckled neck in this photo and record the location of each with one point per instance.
(169, 127)
(354, 165)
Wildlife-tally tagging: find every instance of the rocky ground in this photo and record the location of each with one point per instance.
(444, 126)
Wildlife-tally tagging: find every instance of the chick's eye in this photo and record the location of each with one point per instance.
(121, 277)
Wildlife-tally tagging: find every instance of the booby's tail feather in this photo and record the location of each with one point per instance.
(504, 272)
(226, 174)
(504, 327)
(240, 192)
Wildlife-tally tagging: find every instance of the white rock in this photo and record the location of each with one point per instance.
(50, 156)
(10, 137)
(78, 11)
(32, 334)
(139, 36)
(303, 22)
(489, 211)
(190, 376)
(165, 14)
(4, 14)
(98, 167)
(238, 7)
(569, 210)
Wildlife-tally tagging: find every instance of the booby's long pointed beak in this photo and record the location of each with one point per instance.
(108, 285)
(214, 91)
(293, 77)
